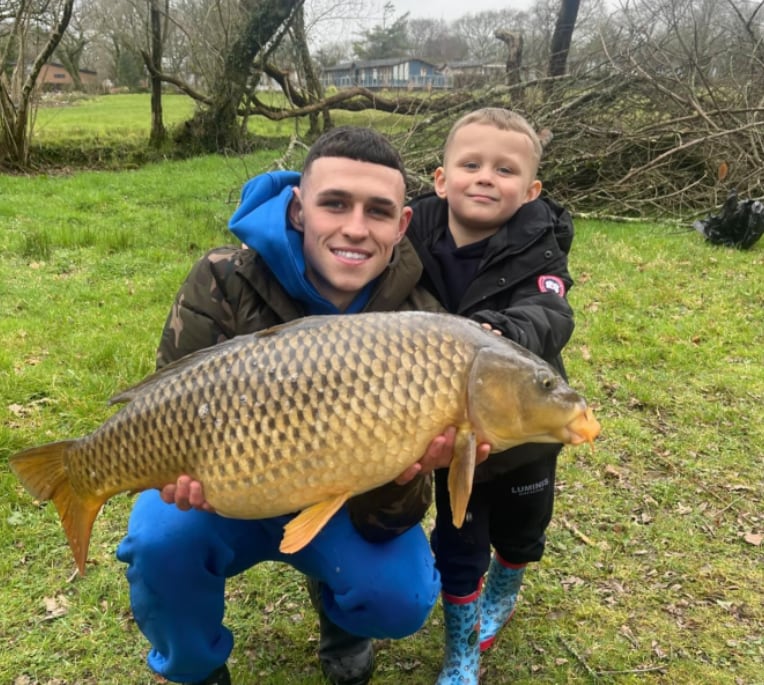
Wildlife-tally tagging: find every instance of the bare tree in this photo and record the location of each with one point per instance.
(121, 31)
(514, 42)
(478, 33)
(17, 91)
(201, 36)
(307, 70)
(434, 40)
(562, 37)
(216, 125)
(71, 49)
(677, 99)
(158, 24)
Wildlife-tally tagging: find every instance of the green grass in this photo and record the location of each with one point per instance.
(106, 117)
(652, 571)
(111, 131)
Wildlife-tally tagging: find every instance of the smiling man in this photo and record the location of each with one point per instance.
(328, 241)
(355, 217)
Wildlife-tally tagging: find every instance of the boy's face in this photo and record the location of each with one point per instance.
(487, 176)
(351, 215)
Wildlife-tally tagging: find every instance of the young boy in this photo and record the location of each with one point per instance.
(326, 242)
(495, 252)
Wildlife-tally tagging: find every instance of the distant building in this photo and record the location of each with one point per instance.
(396, 72)
(464, 74)
(53, 76)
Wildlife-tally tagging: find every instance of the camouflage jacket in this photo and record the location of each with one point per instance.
(232, 292)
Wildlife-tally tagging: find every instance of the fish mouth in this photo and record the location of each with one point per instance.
(583, 428)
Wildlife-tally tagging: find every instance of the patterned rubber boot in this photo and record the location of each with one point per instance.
(497, 603)
(461, 665)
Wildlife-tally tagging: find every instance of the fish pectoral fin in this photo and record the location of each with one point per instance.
(460, 475)
(306, 525)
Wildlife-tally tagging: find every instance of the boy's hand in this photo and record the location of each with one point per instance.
(186, 493)
(488, 327)
(438, 455)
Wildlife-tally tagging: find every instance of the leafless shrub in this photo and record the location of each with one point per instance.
(622, 145)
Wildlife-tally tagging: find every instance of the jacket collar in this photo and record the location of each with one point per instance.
(529, 223)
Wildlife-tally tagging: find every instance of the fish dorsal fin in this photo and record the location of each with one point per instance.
(189, 360)
(307, 323)
(461, 473)
(306, 525)
(214, 350)
(304, 323)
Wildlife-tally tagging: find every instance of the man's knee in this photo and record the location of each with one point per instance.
(162, 537)
(385, 608)
(406, 613)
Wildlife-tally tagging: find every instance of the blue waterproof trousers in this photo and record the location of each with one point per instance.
(179, 562)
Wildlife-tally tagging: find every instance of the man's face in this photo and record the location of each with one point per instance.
(487, 176)
(351, 215)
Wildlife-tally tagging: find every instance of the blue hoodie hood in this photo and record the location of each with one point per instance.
(261, 222)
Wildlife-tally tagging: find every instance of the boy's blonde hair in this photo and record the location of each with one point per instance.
(504, 120)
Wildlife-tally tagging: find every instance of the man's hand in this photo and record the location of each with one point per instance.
(186, 493)
(438, 455)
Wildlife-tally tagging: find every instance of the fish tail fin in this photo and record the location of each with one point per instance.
(306, 525)
(42, 471)
(460, 475)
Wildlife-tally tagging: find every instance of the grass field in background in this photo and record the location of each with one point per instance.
(123, 121)
(105, 117)
(653, 571)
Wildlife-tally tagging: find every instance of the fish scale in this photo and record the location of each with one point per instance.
(305, 415)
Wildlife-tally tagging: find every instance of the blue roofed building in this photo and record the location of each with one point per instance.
(394, 72)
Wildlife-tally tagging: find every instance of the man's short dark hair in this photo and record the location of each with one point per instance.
(358, 143)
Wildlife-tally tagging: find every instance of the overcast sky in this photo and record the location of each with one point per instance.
(346, 20)
(452, 9)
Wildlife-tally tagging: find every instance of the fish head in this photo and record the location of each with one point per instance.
(516, 397)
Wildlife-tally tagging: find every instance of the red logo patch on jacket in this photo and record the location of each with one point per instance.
(551, 284)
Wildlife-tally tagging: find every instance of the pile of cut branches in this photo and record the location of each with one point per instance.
(629, 147)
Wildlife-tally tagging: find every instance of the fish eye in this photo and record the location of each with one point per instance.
(548, 381)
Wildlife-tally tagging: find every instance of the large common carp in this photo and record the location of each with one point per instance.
(305, 415)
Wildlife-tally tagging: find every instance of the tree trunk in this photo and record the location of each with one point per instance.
(313, 88)
(17, 103)
(158, 131)
(70, 56)
(514, 42)
(563, 33)
(215, 128)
